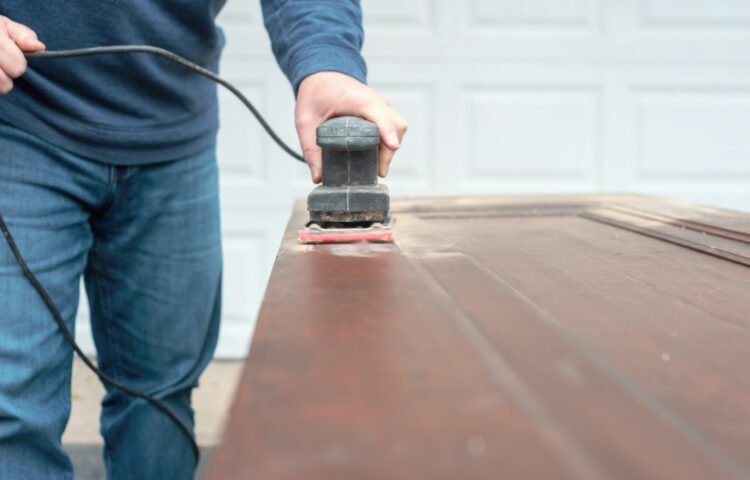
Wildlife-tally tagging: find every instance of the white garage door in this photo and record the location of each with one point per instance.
(503, 96)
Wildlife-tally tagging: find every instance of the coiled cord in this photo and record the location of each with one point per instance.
(111, 50)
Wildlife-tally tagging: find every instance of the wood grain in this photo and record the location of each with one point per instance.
(510, 337)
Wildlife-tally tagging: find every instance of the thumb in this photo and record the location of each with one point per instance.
(23, 36)
(311, 151)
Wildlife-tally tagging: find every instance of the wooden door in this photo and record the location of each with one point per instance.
(522, 337)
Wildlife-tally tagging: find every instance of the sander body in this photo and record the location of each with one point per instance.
(349, 205)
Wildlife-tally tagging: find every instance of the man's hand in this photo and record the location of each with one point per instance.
(325, 95)
(15, 39)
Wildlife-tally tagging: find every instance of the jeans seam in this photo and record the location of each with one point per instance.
(104, 312)
(109, 195)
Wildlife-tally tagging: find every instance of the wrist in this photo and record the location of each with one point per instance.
(329, 59)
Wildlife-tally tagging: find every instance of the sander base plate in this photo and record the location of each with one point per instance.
(314, 233)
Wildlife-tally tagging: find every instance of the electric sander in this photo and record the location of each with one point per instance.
(349, 205)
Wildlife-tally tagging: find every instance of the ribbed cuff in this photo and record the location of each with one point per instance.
(326, 58)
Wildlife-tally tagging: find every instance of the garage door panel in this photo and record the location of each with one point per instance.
(522, 132)
(552, 15)
(697, 13)
(240, 143)
(693, 133)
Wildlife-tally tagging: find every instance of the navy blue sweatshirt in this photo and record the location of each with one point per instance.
(137, 108)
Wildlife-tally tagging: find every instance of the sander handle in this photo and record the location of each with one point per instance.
(350, 151)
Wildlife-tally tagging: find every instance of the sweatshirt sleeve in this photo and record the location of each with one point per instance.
(310, 36)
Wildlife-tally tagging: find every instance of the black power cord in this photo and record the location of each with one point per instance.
(117, 49)
(108, 50)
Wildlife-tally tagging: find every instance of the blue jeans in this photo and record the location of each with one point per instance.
(146, 240)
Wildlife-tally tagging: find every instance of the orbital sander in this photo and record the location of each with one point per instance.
(349, 205)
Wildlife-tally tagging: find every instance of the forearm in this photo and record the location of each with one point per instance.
(309, 36)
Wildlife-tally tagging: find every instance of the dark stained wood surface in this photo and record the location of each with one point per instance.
(520, 337)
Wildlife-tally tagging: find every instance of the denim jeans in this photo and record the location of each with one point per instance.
(146, 240)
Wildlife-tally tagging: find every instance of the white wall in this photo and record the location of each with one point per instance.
(504, 96)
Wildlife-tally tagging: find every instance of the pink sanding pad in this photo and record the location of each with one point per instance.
(345, 235)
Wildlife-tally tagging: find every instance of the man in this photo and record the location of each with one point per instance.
(108, 171)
